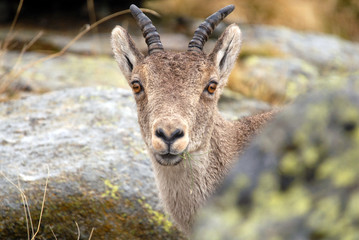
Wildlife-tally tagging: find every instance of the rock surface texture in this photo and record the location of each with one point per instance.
(98, 172)
(278, 64)
(297, 180)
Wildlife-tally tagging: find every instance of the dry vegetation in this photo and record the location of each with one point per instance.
(9, 87)
(339, 17)
(32, 230)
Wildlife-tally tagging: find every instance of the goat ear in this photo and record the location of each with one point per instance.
(226, 50)
(125, 51)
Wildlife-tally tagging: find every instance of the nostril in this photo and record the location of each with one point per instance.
(178, 133)
(161, 134)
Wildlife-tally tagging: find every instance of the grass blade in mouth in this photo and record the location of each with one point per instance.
(187, 156)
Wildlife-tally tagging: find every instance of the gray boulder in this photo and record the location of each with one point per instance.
(66, 71)
(297, 180)
(273, 79)
(278, 64)
(326, 52)
(99, 174)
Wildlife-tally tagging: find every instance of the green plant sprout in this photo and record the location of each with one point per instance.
(189, 157)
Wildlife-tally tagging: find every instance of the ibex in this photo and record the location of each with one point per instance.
(191, 146)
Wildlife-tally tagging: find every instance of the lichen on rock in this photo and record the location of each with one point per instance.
(297, 180)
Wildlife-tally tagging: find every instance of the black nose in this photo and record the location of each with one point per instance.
(178, 133)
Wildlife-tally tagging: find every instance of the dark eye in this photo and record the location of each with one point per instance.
(136, 87)
(211, 87)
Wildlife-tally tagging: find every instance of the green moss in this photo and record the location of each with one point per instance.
(112, 215)
(157, 217)
(299, 86)
(111, 190)
(264, 50)
(290, 164)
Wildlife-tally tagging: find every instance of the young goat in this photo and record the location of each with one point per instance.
(191, 146)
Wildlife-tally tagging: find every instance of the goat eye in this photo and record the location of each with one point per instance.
(136, 87)
(211, 88)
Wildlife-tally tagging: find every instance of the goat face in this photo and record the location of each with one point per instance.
(174, 104)
(176, 93)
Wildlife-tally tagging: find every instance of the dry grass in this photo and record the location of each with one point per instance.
(31, 233)
(339, 17)
(28, 218)
(8, 77)
(342, 18)
(276, 12)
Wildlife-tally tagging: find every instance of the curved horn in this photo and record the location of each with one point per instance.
(148, 30)
(206, 28)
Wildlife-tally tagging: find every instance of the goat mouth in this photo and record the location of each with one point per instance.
(168, 159)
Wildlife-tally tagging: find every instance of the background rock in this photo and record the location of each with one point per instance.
(274, 80)
(324, 51)
(99, 173)
(297, 180)
(67, 71)
(233, 105)
(276, 64)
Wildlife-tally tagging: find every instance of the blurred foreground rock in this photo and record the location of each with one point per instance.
(99, 173)
(297, 180)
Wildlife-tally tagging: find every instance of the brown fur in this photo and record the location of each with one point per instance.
(173, 97)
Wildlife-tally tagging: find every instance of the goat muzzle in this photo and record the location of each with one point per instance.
(169, 139)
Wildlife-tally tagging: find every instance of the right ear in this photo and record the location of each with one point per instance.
(226, 50)
(125, 51)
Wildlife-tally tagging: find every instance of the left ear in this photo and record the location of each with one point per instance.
(225, 52)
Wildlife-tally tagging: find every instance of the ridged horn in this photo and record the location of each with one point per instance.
(148, 30)
(206, 28)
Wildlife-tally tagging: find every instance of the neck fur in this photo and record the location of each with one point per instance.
(185, 187)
